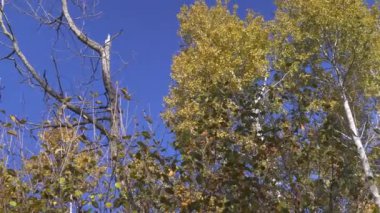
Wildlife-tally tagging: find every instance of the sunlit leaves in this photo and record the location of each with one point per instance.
(222, 58)
(326, 49)
(323, 33)
(109, 205)
(229, 73)
(60, 171)
(118, 185)
(12, 203)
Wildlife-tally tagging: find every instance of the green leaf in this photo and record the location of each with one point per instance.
(22, 121)
(142, 145)
(12, 203)
(146, 134)
(118, 202)
(169, 191)
(7, 125)
(62, 180)
(99, 196)
(199, 179)
(78, 193)
(12, 172)
(196, 155)
(95, 204)
(126, 94)
(127, 137)
(377, 130)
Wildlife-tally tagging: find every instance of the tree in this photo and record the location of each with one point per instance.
(324, 60)
(336, 45)
(96, 149)
(210, 106)
(276, 116)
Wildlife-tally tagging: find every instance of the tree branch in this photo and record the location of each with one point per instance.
(78, 33)
(7, 31)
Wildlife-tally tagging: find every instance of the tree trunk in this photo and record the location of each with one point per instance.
(361, 151)
(257, 112)
(72, 208)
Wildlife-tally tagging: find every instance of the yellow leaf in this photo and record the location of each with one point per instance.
(118, 185)
(12, 132)
(57, 151)
(78, 193)
(13, 118)
(171, 173)
(126, 94)
(12, 203)
(62, 180)
(108, 205)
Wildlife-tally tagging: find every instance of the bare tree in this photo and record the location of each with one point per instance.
(104, 119)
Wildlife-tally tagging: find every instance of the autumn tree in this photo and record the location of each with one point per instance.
(318, 82)
(266, 116)
(333, 49)
(84, 144)
(217, 76)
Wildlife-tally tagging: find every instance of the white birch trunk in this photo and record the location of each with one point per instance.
(257, 111)
(72, 208)
(361, 151)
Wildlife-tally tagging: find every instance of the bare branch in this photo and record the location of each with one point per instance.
(58, 75)
(104, 53)
(6, 29)
(80, 35)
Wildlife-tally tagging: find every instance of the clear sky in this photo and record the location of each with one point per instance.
(147, 44)
(150, 40)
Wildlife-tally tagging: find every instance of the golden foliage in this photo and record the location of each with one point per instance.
(324, 34)
(222, 56)
(56, 136)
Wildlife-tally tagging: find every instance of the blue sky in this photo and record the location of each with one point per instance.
(147, 44)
